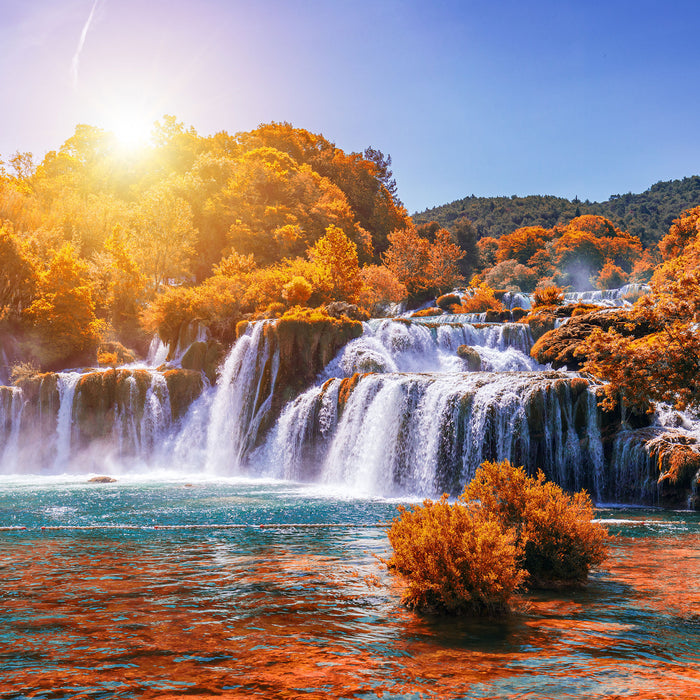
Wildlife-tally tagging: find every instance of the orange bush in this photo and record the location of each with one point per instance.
(557, 539)
(297, 291)
(455, 558)
(482, 299)
(548, 296)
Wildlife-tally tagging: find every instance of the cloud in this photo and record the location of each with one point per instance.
(81, 42)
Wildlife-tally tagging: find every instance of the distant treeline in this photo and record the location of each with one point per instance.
(647, 215)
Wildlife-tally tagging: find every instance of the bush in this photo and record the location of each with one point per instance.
(548, 296)
(481, 298)
(455, 558)
(447, 301)
(505, 530)
(557, 539)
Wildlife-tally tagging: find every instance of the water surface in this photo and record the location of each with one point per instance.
(159, 598)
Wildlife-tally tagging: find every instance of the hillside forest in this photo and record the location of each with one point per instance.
(101, 247)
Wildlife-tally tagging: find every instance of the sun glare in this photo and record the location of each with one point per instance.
(131, 130)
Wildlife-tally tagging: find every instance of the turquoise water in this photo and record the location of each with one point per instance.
(145, 592)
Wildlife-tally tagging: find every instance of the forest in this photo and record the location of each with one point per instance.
(647, 215)
(102, 247)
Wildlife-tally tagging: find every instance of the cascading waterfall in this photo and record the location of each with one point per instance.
(403, 346)
(423, 434)
(67, 381)
(397, 411)
(222, 425)
(11, 405)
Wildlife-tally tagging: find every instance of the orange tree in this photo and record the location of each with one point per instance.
(425, 268)
(62, 314)
(661, 362)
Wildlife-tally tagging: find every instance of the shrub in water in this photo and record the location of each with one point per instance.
(554, 531)
(455, 558)
(506, 529)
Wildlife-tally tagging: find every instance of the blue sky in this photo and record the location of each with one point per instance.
(474, 97)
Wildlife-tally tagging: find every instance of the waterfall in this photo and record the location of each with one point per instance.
(157, 352)
(11, 405)
(241, 399)
(406, 346)
(67, 381)
(422, 434)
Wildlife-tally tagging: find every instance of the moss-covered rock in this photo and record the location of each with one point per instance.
(559, 345)
(184, 387)
(471, 357)
(204, 356)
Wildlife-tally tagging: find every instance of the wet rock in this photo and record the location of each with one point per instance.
(184, 387)
(102, 480)
(447, 301)
(559, 345)
(471, 357)
(204, 356)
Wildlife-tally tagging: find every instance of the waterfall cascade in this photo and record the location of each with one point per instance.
(397, 411)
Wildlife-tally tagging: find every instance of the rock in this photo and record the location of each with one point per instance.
(184, 387)
(471, 357)
(558, 346)
(447, 301)
(544, 318)
(204, 356)
(101, 480)
(341, 309)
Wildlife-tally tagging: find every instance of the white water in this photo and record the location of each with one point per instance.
(67, 381)
(416, 423)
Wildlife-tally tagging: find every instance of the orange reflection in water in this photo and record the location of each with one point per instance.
(85, 619)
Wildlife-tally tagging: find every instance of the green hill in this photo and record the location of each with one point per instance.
(647, 215)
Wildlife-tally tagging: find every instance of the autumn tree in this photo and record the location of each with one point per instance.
(62, 314)
(380, 288)
(17, 276)
(336, 256)
(425, 268)
(164, 235)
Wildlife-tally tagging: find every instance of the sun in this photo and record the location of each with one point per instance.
(131, 128)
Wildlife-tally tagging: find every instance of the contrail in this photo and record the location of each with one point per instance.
(81, 42)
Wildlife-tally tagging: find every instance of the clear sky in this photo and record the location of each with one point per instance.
(587, 98)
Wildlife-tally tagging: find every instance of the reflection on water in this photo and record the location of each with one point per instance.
(293, 612)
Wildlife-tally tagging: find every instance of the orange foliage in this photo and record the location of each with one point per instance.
(454, 558)
(683, 230)
(548, 296)
(63, 311)
(425, 268)
(480, 299)
(297, 291)
(663, 363)
(336, 257)
(380, 288)
(523, 244)
(17, 275)
(557, 541)
(611, 276)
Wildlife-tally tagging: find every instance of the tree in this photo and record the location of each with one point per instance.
(63, 311)
(165, 235)
(17, 275)
(336, 256)
(658, 362)
(127, 285)
(425, 268)
(466, 238)
(380, 288)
